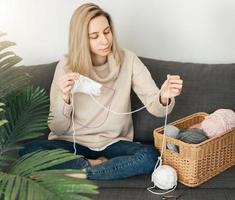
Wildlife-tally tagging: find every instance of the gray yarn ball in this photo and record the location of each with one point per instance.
(172, 131)
(192, 136)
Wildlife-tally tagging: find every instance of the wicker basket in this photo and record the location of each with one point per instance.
(196, 163)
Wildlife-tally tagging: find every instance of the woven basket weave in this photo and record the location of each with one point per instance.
(197, 163)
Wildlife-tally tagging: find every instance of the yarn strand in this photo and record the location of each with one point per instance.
(120, 113)
(164, 132)
(74, 140)
(159, 162)
(107, 109)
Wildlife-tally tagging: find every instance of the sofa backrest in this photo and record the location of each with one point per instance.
(41, 75)
(207, 87)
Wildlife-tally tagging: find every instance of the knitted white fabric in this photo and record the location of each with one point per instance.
(87, 86)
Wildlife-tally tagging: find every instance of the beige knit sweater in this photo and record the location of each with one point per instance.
(94, 126)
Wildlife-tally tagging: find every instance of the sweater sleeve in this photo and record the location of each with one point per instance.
(59, 110)
(146, 89)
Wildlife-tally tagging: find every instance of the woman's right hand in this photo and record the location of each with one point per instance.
(66, 84)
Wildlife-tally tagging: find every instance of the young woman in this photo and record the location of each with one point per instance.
(104, 139)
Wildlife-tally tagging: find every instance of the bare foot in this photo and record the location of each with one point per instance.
(98, 161)
(81, 175)
(78, 175)
(93, 162)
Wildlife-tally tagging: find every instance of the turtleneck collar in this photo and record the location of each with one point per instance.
(106, 72)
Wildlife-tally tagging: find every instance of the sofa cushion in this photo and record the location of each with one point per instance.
(220, 187)
(224, 180)
(41, 75)
(207, 87)
(143, 194)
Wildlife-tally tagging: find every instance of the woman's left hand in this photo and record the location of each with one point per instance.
(172, 87)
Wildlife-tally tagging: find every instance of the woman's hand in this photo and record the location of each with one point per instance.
(66, 84)
(172, 87)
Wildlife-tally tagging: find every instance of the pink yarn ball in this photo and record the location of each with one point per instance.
(199, 125)
(218, 122)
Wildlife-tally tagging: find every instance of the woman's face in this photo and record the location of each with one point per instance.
(100, 36)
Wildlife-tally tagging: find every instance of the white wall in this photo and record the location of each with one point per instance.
(181, 30)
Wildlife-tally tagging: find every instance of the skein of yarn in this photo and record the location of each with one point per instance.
(198, 125)
(192, 136)
(172, 131)
(218, 122)
(164, 177)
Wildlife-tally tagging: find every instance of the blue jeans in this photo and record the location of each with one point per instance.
(125, 158)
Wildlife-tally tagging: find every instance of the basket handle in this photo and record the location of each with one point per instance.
(176, 142)
(173, 141)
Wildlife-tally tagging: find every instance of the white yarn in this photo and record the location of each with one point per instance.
(87, 86)
(163, 176)
(74, 140)
(91, 87)
(99, 104)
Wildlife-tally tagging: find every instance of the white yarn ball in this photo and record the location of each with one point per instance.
(164, 177)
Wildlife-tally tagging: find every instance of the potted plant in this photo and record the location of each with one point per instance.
(23, 116)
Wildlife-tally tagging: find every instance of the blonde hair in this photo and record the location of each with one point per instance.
(79, 57)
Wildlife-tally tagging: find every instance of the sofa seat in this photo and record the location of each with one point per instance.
(207, 87)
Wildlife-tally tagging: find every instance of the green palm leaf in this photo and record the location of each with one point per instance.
(2, 121)
(6, 44)
(41, 160)
(3, 160)
(23, 179)
(11, 78)
(26, 113)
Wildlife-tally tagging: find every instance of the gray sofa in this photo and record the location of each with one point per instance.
(206, 88)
